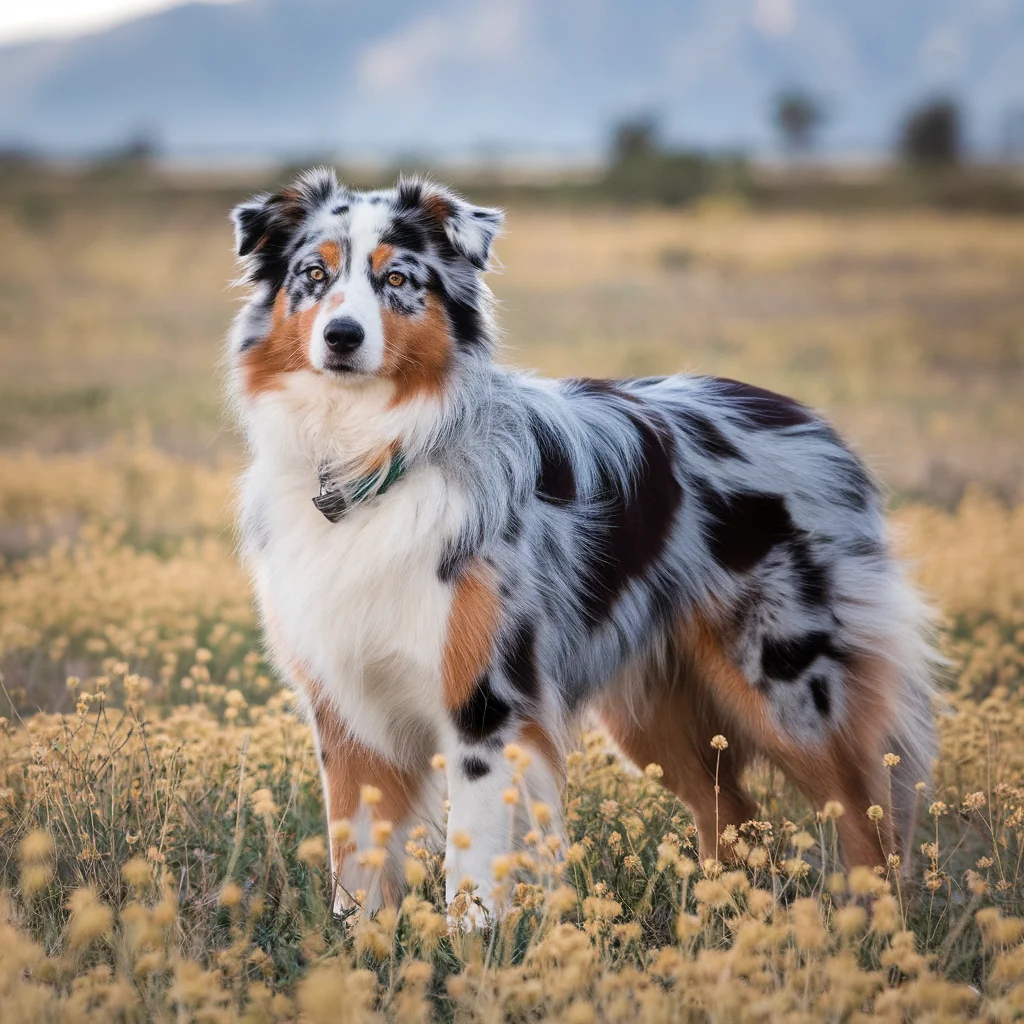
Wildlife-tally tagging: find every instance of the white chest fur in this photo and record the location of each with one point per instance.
(358, 602)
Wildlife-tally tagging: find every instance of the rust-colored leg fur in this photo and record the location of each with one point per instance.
(347, 766)
(676, 722)
(704, 693)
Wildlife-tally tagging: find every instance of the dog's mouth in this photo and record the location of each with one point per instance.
(341, 365)
(345, 366)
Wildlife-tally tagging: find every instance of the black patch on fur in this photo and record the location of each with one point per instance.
(634, 525)
(475, 768)
(402, 233)
(744, 527)
(812, 580)
(761, 409)
(454, 557)
(707, 437)
(318, 188)
(786, 658)
(520, 659)
(483, 714)
(820, 695)
(464, 320)
(339, 210)
(556, 482)
(410, 194)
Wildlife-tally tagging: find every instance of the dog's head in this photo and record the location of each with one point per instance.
(356, 285)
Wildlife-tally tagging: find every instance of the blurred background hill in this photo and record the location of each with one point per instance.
(516, 79)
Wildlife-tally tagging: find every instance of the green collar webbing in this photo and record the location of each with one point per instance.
(336, 500)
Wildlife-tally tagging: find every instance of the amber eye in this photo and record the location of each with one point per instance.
(316, 274)
(395, 279)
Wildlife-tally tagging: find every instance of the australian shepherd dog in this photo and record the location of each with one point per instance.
(452, 557)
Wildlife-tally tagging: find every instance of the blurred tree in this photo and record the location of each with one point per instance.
(931, 133)
(642, 168)
(635, 138)
(798, 115)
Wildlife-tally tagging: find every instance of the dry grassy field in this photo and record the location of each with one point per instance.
(161, 848)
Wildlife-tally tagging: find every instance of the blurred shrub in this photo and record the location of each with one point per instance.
(641, 169)
(931, 134)
(797, 116)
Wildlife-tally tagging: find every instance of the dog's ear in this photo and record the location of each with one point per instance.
(470, 229)
(252, 224)
(266, 224)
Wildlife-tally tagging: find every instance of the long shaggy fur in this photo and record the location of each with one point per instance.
(684, 555)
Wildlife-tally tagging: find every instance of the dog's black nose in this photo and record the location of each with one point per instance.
(343, 335)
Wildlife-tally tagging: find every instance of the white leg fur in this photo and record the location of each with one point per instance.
(483, 826)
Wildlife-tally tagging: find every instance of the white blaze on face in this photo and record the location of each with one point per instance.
(353, 296)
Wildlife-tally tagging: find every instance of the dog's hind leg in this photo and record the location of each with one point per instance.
(845, 763)
(671, 721)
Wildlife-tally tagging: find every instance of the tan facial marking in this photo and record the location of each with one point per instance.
(417, 351)
(472, 623)
(334, 301)
(284, 350)
(330, 253)
(380, 256)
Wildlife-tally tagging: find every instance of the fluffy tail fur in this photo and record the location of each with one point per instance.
(913, 735)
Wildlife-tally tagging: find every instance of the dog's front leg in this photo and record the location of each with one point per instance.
(351, 771)
(498, 778)
(480, 828)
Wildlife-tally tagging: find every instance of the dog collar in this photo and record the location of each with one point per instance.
(335, 499)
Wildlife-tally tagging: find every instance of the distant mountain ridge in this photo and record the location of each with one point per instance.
(451, 77)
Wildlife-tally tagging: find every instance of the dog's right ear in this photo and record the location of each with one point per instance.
(267, 223)
(252, 222)
(264, 228)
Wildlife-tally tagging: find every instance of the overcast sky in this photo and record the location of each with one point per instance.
(31, 19)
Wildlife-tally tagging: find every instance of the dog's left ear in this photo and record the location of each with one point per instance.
(470, 229)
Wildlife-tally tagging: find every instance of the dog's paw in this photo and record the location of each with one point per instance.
(467, 914)
(348, 903)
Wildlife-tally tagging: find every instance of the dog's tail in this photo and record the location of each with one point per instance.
(912, 734)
